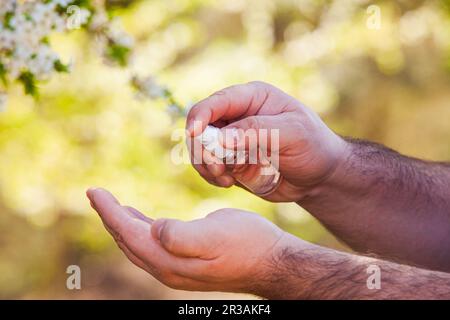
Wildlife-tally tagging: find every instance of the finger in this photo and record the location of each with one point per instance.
(190, 275)
(133, 213)
(107, 206)
(198, 162)
(158, 261)
(216, 169)
(134, 232)
(220, 123)
(164, 263)
(187, 239)
(134, 237)
(134, 259)
(209, 158)
(230, 103)
(128, 253)
(136, 213)
(205, 174)
(214, 165)
(225, 180)
(199, 155)
(268, 132)
(195, 149)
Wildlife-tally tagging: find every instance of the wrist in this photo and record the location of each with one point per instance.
(337, 174)
(279, 277)
(340, 170)
(302, 270)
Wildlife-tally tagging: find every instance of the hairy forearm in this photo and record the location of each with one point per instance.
(315, 272)
(384, 203)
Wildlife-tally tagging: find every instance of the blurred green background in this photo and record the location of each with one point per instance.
(390, 85)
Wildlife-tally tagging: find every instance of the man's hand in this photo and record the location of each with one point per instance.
(229, 250)
(309, 151)
(237, 251)
(371, 197)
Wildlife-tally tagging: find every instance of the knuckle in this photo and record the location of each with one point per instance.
(298, 122)
(222, 92)
(221, 95)
(193, 111)
(230, 91)
(260, 85)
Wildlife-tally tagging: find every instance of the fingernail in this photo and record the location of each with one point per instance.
(90, 195)
(160, 227)
(90, 190)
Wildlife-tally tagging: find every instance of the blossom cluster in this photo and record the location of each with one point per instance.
(115, 44)
(25, 52)
(26, 55)
(147, 87)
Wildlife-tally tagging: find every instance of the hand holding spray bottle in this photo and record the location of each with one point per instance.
(260, 177)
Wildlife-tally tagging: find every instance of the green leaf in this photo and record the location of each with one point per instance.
(60, 67)
(46, 41)
(28, 81)
(118, 54)
(7, 20)
(3, 74)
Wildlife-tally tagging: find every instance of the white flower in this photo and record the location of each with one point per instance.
(99, 21)
(148, 87)
(7, 6)
(121, 38)
(22, 39)
(84, 15)
(174, 110)
(6, 39)
(116, 34)
(25, 27)
(62, 3)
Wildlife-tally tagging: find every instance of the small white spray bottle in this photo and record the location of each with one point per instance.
(261, 178)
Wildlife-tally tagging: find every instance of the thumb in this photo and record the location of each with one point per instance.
(187, 239)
